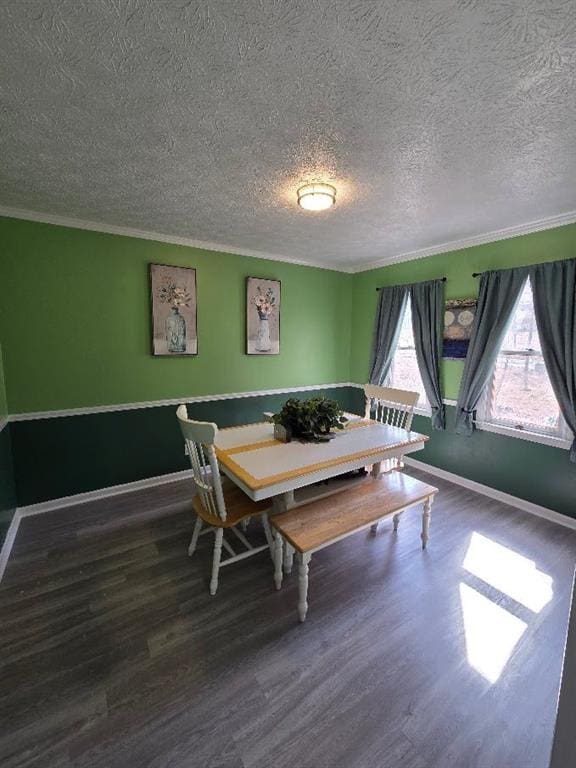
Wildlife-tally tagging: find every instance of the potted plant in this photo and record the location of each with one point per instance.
(308, 420)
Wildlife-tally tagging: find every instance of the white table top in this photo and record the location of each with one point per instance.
(264, 467)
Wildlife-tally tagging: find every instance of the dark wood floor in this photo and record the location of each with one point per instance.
(113, 653)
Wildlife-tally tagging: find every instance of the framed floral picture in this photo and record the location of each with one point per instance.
(262, 316)
(174, 315)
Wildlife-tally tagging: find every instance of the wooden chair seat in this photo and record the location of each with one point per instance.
(238, 507)
(316, 525)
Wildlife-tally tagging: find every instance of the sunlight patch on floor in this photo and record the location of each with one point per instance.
(512, 574)
(491, 631)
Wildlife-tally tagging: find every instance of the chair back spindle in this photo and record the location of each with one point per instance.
(199, 437)
(394, 407)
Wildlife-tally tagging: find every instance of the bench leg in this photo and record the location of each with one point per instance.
(303, 560)
(288, 557)
(426, 521)
(277, 559)
(396, 520)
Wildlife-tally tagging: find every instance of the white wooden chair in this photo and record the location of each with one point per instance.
(219, 506)
(390, 406)
(396, 408)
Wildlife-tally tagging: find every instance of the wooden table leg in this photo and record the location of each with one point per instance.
(426, 521)
(281, 504)
(277, 559)
(303, 561)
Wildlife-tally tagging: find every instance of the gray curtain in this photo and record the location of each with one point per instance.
(499, 292)
(428, 325)
(391, 307)
(554, 291)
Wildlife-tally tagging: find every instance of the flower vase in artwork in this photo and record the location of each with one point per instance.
(263, 343)
(175, 331)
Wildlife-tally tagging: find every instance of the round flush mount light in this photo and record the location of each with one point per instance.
(316, 197)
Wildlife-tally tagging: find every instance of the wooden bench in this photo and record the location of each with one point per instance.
(316, 525)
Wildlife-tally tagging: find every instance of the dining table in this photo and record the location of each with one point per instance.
(267, 468)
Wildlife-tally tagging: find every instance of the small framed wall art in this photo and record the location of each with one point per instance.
(458, 321)
(262, 316)
(174, 310)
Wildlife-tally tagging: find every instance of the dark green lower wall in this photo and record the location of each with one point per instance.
(7, 489)
(537, 473)
(66, 455)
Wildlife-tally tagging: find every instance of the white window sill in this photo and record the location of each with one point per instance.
(524, 434)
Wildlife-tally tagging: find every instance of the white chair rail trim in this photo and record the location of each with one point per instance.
(532, 437)
(35, 415)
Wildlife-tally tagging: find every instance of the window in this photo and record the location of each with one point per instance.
(519, 395)
(404, 371)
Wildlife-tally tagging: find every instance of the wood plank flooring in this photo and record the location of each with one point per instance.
(113, 653)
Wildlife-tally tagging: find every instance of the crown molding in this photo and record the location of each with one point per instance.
(141, 234)
(551, 222)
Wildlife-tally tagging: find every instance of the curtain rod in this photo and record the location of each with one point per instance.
(476, 274)
(426, 281)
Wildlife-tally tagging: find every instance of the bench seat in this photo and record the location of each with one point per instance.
(318, 524)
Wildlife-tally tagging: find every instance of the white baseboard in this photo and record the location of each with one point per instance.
(79, 498)
(102, 493)
(493, 493)
(9, 542)
(115, 490)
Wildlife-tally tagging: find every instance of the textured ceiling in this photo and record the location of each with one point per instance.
(436, 120)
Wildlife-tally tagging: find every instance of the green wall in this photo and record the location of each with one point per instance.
(531, 471)
(75, 321)
(74, 324)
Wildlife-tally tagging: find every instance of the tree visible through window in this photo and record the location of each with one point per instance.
(404, 372)
(520, 394)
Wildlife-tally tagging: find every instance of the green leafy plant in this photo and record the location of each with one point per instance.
(311, 420)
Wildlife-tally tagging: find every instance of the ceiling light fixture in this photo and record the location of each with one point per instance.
(316, 197)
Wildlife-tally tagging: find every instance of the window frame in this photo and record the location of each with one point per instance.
(422, 408)
(486, 421)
